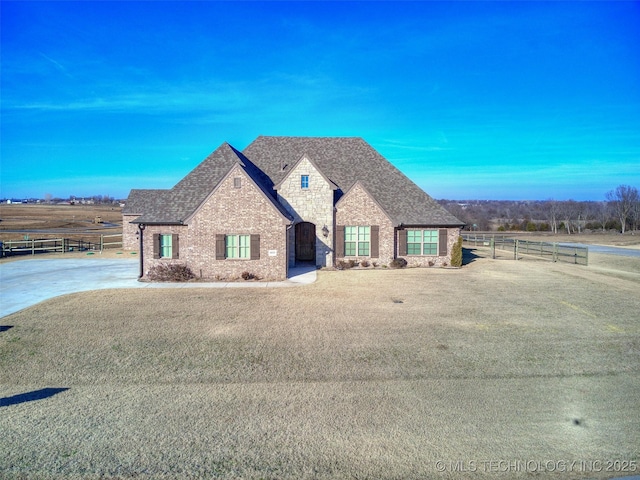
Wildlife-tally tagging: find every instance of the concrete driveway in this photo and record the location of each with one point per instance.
(24, 283)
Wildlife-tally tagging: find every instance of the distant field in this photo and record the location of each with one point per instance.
(386, 374)
(70, 218)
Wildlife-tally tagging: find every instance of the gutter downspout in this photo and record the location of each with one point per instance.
(141, 228)
(286, 233)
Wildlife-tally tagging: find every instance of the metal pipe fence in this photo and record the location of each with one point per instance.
(556, 252)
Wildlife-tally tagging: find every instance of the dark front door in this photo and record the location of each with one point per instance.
(305, 242)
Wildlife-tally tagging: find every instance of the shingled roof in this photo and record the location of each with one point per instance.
(268, 160)
(138, 201)
(176, 205)
(344, 160)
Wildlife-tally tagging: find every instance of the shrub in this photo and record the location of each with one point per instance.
(456, 253)
(398, 263)
(248, 276)
(345, 265)
(174, 272)
(364, 263)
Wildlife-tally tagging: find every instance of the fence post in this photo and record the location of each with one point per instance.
(492, 243)
(101, 242)
(515, 250)
(555, 252)
(33, 247)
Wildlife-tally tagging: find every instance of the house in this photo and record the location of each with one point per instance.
(287, 200)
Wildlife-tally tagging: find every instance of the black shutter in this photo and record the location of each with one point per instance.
(255, 247)
(402, 243)
(220, 247)
(156, 245)
(175, 246)
(442, 251)
(339, 246)
(375, 241)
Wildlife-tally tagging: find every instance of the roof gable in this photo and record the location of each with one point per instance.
(345, 160)
(292, 168)
(354, 187)
(253, 177)
(176, 205)
(342, 161)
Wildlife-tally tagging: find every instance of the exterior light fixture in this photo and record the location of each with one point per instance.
(325, 231)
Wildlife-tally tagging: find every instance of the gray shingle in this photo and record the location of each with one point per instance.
(139, 199)
(267, 160)
(347, 159)
(176, 205)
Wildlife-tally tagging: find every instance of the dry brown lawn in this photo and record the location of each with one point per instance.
(31, 217)
(364, 374)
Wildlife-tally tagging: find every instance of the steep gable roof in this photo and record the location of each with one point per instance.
(175, 206)
(345, 160)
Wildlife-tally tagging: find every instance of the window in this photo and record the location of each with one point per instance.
(238, 246)
(237, 182)
(357, 241)
(245, 247)
(304, 181)
(422, 242)
(166, 246)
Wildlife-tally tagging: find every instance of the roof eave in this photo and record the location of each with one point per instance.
(430, 225)
(139, 221)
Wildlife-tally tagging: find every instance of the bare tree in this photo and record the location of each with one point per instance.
(569, 212)
(553, 211)
(602, 213)
(635, 214)
(622, 201)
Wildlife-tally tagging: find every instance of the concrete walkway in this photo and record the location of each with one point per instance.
(24, 283)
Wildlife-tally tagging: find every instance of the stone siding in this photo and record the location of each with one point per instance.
(313, 204)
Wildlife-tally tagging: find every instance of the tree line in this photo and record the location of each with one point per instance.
(619, 212)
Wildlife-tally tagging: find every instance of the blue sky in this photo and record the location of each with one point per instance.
(471, 100)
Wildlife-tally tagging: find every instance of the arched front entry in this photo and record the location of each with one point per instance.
(305, 242)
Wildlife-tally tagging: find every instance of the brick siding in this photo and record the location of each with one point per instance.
(434, 260)
(129, 230)
(358, 208)
(229, 210)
